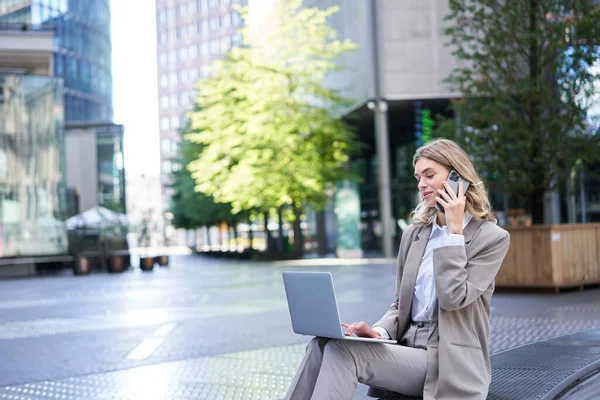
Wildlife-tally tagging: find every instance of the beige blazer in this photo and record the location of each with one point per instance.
(458, 364)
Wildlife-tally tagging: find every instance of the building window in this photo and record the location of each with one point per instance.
(166, 166)
(203, 27)
(183, 53)
(164, 80)
(225, 44)
(235, 18)
(164, 123)
(175, 146)
(226, 21)
(172, 57)
(173, 79)
(182, 10)
(184, 75)
(203, 5)
(204, 49)
(214, 23)
(173, 101)
(191, 30)
(194, 74)
(192, 52)
(166, 145)
(163, 59)
(236, 40)
(184, 99)
(164, 101)
(214, 46)
(174, 123)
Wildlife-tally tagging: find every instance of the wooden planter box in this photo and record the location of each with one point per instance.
(552, 256)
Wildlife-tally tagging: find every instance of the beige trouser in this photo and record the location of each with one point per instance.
(332, 368)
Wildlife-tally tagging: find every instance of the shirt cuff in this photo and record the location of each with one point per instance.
(384, 334)
(453, 240)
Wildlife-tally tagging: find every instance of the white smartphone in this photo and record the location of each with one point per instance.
(453, 179)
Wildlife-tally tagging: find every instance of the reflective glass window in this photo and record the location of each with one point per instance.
(31, 166)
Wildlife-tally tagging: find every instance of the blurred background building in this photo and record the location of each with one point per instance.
(32, 167)
(82, 57)
(412, 62)
(190, 36)
(82, 53)
(57, 85)
(405, 77)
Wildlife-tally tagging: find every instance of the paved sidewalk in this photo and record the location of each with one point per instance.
(208, 329)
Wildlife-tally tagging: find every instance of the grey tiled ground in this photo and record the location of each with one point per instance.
(225, 329)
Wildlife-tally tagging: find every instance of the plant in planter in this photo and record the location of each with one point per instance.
(146, 259)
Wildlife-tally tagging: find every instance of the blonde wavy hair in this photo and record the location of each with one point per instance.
(452, 156)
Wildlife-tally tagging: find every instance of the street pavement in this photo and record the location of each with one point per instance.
(207, 329)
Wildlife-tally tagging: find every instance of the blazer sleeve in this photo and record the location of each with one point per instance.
(460, 281)
(389, 321)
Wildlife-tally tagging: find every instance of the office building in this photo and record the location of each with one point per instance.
(191, 34)
(32, 160)
(82, 53)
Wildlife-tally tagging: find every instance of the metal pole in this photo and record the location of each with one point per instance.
(381, 137)
(582, 203)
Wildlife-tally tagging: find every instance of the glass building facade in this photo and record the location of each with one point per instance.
(32, 166)
(82, 50)
(111, 172)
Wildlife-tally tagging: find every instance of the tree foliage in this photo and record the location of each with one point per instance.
(526, 78)
(190, 208)
(269, 129)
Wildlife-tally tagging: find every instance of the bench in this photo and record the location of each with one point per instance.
(542, 370)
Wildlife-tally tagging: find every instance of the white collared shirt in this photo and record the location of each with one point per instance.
(425, 294)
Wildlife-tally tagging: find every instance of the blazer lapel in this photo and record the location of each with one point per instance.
(409, 277)
(471, 229)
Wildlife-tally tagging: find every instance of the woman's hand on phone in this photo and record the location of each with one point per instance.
(361, 329)
(454, 204)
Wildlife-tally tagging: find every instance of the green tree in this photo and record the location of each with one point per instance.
(524, 73)
(271, 131)
(192, 209)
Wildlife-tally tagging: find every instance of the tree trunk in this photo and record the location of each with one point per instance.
(536, 197)
(235, 236)
(267, 232)
(322, 233)
(536, 206)
(250, 235)
(280, 242)
(298, 236)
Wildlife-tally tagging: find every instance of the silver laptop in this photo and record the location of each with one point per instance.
(313, 306)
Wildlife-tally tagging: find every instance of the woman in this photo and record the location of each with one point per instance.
(441, 316)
